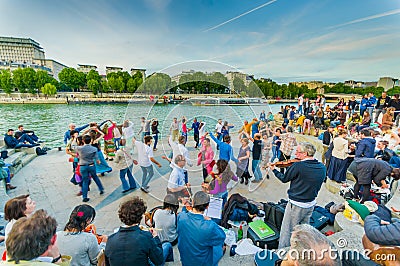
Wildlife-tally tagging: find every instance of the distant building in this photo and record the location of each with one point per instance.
(141, 70)
(113, 69)
(176, 78)
(265, 79)
(54, 66)
(370, 84)
(86, 68)
(23, 53)
(310, 84)
(354, 84)
(231, 75)
(387, 82)
(20, 50)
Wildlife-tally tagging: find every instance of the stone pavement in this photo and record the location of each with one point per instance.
(47, 177)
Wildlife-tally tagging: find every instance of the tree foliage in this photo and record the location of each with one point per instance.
(6, 82)
(72, 78)
(49, 89)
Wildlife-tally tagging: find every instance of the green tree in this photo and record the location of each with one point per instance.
(29, 76)
(238, 85)
(18, 79)
(49, 89)
(72, 78)
(217, 83)
(131, 85)
(253, 90)
(42, 77)
(93, 75)
(94, 86)
(6, 81)
(116, 84)
(104, 86)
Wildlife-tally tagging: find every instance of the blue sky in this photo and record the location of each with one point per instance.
(286, 40)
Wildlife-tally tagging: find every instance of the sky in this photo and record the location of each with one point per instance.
(285, 40)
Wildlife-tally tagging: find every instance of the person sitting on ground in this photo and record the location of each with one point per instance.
(218, 186)
(30, 133)
(304, 239)
(81, 246)
(72, 126)
(382, 240)
(33, 241)
(388, 117)
(5, 173)
(384, 153)
(200, 240)
(176, 183)
(353, 121)
(124, 162)
(16, 208)
(14, 143)
(147, 244)
(365, 122)
(366, 146)
(166, 220)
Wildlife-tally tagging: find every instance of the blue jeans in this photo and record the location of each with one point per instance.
(155, 137)
(300, 109)
(256, 169)
(8, 178)
(116, 143)
(25, 138)
(122, 173)
(335, 123)
(167, 252)
(147, 175)
(276, 153)
(87, 170)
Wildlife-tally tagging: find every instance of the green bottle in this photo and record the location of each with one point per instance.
(240, 233)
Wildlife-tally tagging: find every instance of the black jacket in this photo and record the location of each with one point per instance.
(370, 169)
(305, 177)
(132, 246)
(382, 103)
(395, 103)
(327, 138)
(387, 235)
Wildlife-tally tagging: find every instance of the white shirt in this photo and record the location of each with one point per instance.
(301, 100)
(127, 132)
(179, 149)
(144, 153)
(218, 127)
(177, 177)
(202, 131)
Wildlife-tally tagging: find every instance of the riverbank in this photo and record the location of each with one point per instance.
(124, 98)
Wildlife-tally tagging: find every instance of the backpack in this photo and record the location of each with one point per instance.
(40, 151)
(148, 216)
(321, 136)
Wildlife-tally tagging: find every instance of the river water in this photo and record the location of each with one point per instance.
(50, 121)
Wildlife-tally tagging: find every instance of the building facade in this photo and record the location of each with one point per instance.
(86, 68)
(54, 66)
(141, 70)
(20, 50)
(113, 69)
(388, 82)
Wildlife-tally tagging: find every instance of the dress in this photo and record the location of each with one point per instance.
(243, 165)
(338, 164)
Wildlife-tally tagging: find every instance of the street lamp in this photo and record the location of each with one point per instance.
(394, 82)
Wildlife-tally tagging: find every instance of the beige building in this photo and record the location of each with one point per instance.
(53, 65)
(231, 75)
(110, 69)
(86, 68)
(387, 82)
(141, 70)
(176, 78)
(20, 50)
(310, 84)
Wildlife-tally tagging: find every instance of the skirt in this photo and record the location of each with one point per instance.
(337, 169)
(103, 167)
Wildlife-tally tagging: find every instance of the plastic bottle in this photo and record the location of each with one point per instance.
(240, 233)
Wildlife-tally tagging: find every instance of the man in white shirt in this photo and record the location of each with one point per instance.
(218, 129)
(145, 160)
(178, 148)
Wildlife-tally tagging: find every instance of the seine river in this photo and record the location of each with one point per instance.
(50, 121)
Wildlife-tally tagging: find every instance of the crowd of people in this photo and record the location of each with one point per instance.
(354, 143)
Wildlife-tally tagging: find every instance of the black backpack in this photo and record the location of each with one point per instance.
(40, 151)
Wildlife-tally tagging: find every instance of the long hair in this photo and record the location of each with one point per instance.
(224, 171)
(80, 217)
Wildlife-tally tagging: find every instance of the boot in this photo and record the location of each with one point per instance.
(241, 180)
(246, 182)
(9, 187)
